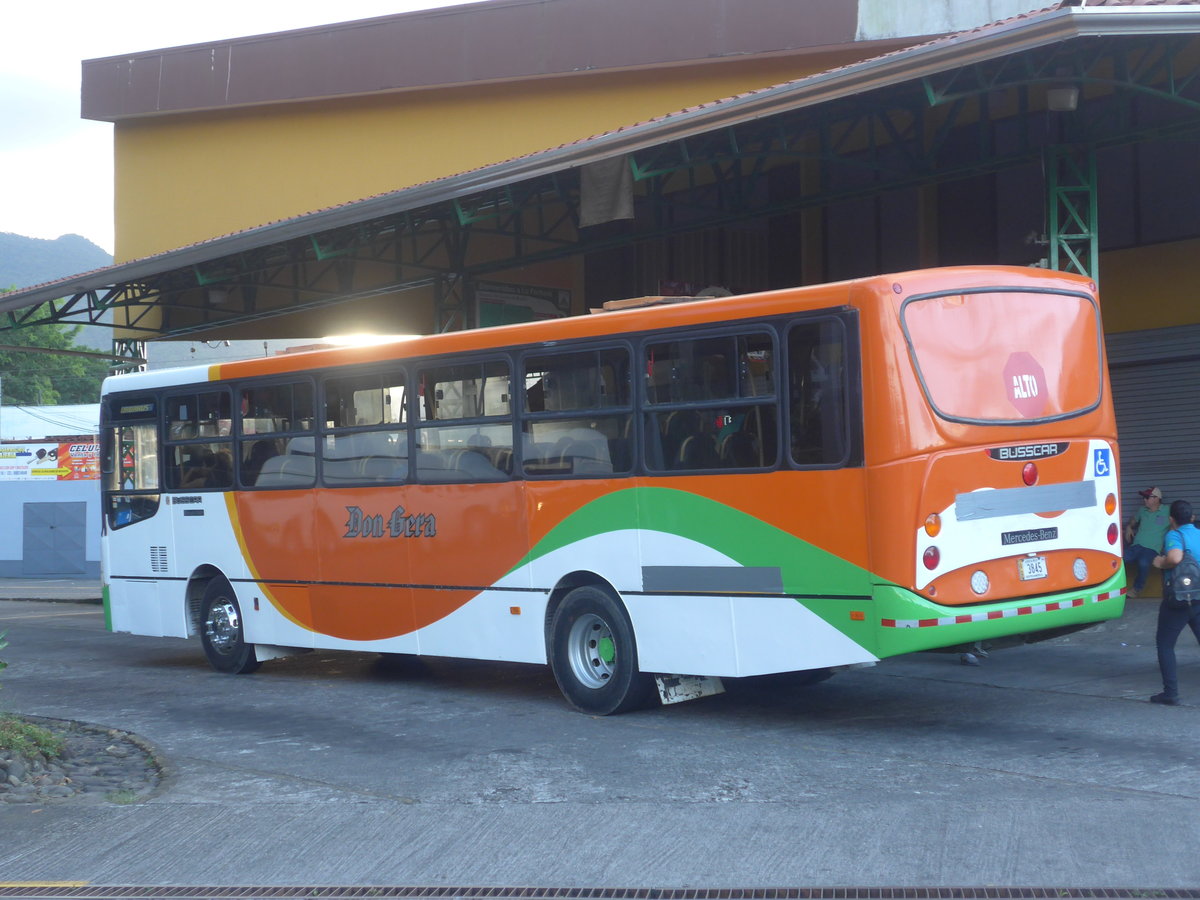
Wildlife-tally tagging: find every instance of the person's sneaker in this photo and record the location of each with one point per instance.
(968, 659)
(1165, 698)
(1132, 594)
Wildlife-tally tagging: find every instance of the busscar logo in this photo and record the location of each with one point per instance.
(399, 524)
(1027, 451)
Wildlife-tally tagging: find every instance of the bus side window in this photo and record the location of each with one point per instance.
(574, 424)
(357, 444)
(276, 408)
(199, 446)
(712, 403)
(466, 424)
(276, 447)
(817, 393)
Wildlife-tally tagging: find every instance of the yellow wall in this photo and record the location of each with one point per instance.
(186, 178)
(1150, 287)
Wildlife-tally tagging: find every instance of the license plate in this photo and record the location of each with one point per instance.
(1033, 567)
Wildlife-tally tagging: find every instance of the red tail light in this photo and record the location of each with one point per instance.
(1029, 474)
(1113, 533)
(931, 558)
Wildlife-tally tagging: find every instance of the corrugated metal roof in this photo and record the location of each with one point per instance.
(1028, 31)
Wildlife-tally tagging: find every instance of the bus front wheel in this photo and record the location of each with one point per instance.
(594, 656)
(222, 633)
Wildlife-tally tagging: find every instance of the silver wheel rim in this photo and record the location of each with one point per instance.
(222, 627)
(591, 650)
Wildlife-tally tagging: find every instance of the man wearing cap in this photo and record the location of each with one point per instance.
(1144, 536)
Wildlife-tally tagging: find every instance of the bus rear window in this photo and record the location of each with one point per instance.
(1006, 356)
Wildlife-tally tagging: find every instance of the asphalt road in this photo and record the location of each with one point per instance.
(1044, 766)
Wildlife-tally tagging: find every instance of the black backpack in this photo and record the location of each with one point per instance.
(1184, 586)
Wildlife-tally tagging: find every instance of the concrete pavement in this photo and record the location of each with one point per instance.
(1043, 766)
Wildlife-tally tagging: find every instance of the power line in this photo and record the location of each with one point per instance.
(65, 423)
(93, 354)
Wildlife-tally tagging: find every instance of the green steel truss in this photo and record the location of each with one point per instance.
(1071, 176)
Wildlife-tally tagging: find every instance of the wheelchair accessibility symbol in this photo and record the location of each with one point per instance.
(1103, 464)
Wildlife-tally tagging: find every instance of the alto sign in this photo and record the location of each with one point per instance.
(1025, 381)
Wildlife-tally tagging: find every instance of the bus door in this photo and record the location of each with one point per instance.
(136, 547)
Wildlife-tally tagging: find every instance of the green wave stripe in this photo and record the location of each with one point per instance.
(809, 570)
(806, 568)
(742, 537)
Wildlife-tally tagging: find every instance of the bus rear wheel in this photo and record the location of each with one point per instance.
(222, 633)
(594, 656)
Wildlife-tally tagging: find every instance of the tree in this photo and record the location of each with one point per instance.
(48, 379)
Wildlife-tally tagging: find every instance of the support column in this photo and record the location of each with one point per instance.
(1071, 188)
(128, 355)
(452, 304)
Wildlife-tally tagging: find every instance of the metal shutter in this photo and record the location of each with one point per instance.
(1156, 390)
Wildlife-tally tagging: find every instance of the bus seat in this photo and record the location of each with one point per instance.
(475, 466)
(587, 465)
(340, 470)
(697, 452)
(737, 450)
(583, 442)
(433, 467)
(260, 452)
(302, 446)
(502, 459)
(620, 451)
(381, 468)
(379, 443)
(677, 427)
(297, 471)
(588, 457)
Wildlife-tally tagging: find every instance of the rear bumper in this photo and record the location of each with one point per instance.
(909, 622)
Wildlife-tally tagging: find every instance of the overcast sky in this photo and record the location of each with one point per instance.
(56, 168)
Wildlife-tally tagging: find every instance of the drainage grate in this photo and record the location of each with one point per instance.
(119, 892)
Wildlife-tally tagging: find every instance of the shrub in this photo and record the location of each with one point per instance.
(19, 738)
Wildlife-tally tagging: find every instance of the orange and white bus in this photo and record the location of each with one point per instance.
(787, 481)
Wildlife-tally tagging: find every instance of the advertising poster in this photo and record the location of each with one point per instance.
(54, 462)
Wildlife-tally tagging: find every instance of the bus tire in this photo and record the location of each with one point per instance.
(222, 632)
(594, 656)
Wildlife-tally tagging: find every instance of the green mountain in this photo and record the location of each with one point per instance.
(26, 262)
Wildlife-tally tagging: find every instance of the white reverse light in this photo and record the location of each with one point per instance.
(979, 581)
